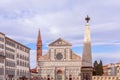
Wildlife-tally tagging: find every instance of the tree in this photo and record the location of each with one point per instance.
(95, 64)
(98, 68)
(95, 67)
(101, 67)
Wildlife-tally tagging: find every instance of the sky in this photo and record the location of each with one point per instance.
(21, 20)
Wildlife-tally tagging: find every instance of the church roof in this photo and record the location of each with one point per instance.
(60, 42)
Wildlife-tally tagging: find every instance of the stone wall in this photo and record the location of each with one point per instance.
(105, 77)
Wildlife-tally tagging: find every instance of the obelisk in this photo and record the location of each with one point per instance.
(86, 69)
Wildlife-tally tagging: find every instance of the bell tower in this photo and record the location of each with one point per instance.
(39, 46)
(86, 69)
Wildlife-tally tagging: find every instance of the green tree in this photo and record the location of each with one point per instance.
(98, 68)
(101, 67)
(95, 67)
(95, 64)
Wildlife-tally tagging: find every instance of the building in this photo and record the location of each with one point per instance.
(117, 69)
(105, 70)
(61, 63)
(60, 60)
(14, 59)
(111, 72)
(112, 69)
(34, 74)
(2, 57)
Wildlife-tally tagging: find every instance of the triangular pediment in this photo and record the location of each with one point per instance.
(60, 42)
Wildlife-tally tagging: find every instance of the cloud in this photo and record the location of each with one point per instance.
(62, 22)
(111, 57)
(33, 57)
(21, 20)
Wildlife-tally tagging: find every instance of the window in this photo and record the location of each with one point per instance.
(2, 53)
(17, 46)
(27, 58)
(26, 50)
(38, 48)
(10, 71)
(17, 72)
(17, 62)
(9, 49)
(17, 55)
(27, 64)
(1, 39)
(2, 61)
(10, 63)
(1, 46)
(20, 56)
(10, 55)
(59, 56)
(64, 54)
(1, 71)
(10, 43)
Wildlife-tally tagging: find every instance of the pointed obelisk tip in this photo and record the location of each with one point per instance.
(87, 19)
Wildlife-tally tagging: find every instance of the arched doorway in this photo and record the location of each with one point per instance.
(48, 77)
(59, 75)
(10, 77)
(70, 77)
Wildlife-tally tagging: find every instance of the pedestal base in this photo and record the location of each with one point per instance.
(86, 73)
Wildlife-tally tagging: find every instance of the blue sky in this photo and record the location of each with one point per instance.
(21, 20)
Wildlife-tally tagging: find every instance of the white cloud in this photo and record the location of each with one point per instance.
(33, 57)
(111, 57)
(21, 20)
(53, 24)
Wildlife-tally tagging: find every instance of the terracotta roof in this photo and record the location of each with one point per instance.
(34, 70)
(118, 63)
(105, 66)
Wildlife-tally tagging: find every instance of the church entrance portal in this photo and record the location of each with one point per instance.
(48, 77)
(70, 77)
(59, 75)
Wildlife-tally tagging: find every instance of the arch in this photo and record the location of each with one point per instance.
(48, 77)
(59, 72)
(44, 78)
(70, 77)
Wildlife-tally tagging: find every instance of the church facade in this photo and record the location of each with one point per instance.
(61, 63)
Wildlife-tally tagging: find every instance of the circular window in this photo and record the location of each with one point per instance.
(59, 56)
